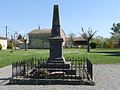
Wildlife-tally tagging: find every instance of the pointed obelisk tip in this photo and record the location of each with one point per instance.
(56, 21)
(55, 5)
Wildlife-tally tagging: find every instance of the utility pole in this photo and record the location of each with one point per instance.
(6, 30)
(39, 27)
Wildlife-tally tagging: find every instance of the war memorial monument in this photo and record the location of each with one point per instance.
(56, 69)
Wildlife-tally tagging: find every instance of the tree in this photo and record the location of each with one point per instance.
(14, 40)
(115, 28)
(0, 47)
(11, 42)
(116, 34)
(87, 36)
(99, 40)
(116, 40)
(93, 45)
(25, 41)
(71, 35)
(20, 37)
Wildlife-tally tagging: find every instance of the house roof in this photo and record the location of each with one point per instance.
(76, 39)
(4, 38)
(42, 31)
(39, 31)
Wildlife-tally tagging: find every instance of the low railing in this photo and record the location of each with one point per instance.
(90, 69)
(80, 69)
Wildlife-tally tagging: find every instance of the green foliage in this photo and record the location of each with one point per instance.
(93, 45)
(116, 40)
(116, 35)
(115, 28)
(105, 42)
(110, 44)
(9, 46)
(0, 47)
(99, 40)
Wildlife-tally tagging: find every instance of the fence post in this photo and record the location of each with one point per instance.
(90, 69)
(12, 70)
(16, 69)
(24, 70)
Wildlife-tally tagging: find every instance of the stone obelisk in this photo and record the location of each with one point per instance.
(56, 47)
(56, 59)
(56, 40)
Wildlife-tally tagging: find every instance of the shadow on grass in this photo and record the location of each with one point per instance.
(110, 53)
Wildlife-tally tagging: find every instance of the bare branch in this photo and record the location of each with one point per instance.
(88, 35)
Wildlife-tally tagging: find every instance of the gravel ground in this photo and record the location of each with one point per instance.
(106, 77)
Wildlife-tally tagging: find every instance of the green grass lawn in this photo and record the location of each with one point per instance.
(107, 56)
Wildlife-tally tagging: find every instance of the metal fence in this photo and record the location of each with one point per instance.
(80, 69)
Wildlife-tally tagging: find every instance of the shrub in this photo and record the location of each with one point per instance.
(0, 47)
(93, 45)
(9, 46)
(110, 44)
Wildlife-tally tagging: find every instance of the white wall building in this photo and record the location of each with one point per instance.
(3, 42)
(39, 38)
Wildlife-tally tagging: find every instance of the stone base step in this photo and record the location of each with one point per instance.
(67, 71)
(54, 65)
(50, 82)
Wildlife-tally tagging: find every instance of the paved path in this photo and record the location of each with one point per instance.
(107, 77)
(5, 74)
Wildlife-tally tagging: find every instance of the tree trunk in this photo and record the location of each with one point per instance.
(11, 46)
(88, 48)
(25, 45)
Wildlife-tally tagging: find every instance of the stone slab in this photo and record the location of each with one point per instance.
(54, 65)
(50, 82)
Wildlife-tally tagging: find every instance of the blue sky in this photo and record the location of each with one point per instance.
(22, 16)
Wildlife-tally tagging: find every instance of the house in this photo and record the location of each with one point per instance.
(75, 42)
(3, 42)
(21, 44)
(39, 38)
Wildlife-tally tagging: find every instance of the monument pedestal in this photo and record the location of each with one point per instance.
(56, 49)
(56, 59)
(55, 65)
